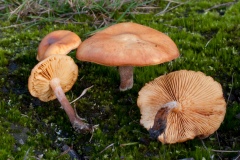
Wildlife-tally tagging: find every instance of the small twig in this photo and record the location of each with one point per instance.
(208, 42)
(26, 155)
(17, 25)
(147, 7)
(163, 11)
(174, 1)
(93, 129)
(82, 94)
(206, 148)
(224, 151)
(219, 157)
(216, 150)
(24, 115)
(128, 144)
(237, 158)
(81, 78)
(75, 110)
(166, 8)
(220, 5)
(95, 31)
(111, 145)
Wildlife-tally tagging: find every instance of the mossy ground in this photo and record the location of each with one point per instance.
(207, 35)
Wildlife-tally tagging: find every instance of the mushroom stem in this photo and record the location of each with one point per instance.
(160, 121)
(126, 77)
(76, 121)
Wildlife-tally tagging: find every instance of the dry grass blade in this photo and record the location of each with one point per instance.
(17, 25)
(111, 145)
(26, 155)
(215, 150)
(224, 151)
(166, 8)
(128, 144)
(93, 129)
(65, 11)
(221, 5)
(27, 6)
(238, 157)
(82, 94)
(174, 1)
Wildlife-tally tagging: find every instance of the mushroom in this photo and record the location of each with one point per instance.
(58, 42)
(50, 79)
(127, 45)
(181, 105)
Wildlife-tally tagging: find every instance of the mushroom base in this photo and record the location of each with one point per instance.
(75, 120)
(126, 76)
(160, 121)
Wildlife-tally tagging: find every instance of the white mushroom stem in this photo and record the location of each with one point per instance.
(160, 121)
(77, 123)
(170, 105)
(126, 77)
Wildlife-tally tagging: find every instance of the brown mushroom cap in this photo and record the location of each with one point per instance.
(128, 44)
(200, 105)
(57, 42)
(48, 69)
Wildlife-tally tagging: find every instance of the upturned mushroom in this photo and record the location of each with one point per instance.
(181, 105)
(57, 42)
(127, 45)
(50, 79)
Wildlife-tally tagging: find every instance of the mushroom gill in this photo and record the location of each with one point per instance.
(200, 106)
(50, 79)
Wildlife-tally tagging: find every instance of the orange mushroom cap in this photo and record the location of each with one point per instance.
(128, 44)
(195, 102)
(57, 42)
